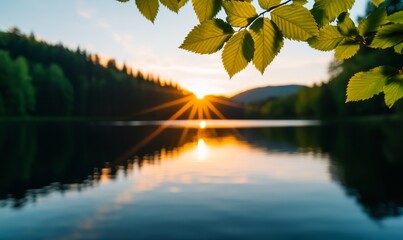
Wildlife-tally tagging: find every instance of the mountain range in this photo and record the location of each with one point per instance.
(263, 93)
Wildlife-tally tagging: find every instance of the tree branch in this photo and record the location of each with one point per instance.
(264, 12)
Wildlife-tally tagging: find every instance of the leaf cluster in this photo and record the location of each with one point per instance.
(246, 35)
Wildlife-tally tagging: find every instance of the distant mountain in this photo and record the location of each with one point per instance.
(263, 93)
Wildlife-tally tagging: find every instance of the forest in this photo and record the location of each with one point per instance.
(40, 79)
(328, 99)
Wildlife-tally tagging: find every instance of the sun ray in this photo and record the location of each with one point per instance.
(156, 132)
(209, 116)
(220, 115)
(215, 110)
(224, 102)
(186, 129)
(200, 109)
(207, 112)
(167, 105)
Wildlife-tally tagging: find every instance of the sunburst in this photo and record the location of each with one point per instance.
(201, 108)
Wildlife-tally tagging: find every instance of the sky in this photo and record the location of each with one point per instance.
(117, 30)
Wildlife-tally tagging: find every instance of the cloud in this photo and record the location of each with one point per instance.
(86, 13)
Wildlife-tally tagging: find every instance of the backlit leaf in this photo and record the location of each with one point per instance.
(345, 25)
(238, 52)
(300, 2)
(372, 22)
(388, 36)
(123, 1)
(174, 5)
(268, 42)
(326, 11)
(149, 8)
(239, 14)
(266, 4)
(208, 37)
(399, 48)
(396, 17)
(377, 2)
(346, 50)
(295, 22)
(206, 9)
(182, 3)
(328, 39)
(393, 89)
(365, 85)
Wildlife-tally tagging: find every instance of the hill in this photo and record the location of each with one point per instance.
(263, 93)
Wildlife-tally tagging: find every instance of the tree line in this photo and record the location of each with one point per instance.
(40, 79)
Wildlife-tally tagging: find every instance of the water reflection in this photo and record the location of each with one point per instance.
(202, 150)
(365, 159)
(224, 174)
(40, 158)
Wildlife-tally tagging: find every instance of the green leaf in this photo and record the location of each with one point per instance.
(388, 36)
(328, 39)
(399, 48)
(123, 1)
(364, 85)
(377, 2)
(345, 25)
(174, 5)
(300, 2)
(239, 14)
(149, 8)
(206, 9)
(372, 22)
(346, 50)
(182, 3)
(268, 42)
(208, 37)
(266, 4)
(397, 17)
(295, 22)
(326, 11)
(238, 52)
(393, 89)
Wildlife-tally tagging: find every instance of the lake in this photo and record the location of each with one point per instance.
(201, 180)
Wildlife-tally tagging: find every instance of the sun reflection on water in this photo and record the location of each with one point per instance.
(202, 150)
(202, 124)
(105, 174)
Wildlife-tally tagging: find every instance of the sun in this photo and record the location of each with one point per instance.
(200, 92)
(200, 95)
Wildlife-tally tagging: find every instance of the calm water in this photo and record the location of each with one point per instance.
(231, 180)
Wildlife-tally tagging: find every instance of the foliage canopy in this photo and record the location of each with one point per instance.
(249, 36)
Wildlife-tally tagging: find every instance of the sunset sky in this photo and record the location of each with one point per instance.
(115, 30)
